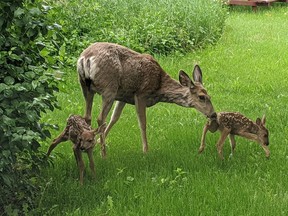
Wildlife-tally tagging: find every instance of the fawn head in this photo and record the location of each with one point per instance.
(200, 99)
(262, 134)
(87, 140)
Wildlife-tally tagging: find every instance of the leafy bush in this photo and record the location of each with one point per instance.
(27, 86)
(163, 26)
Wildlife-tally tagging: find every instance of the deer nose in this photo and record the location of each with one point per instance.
(82, 148)
(267, 143)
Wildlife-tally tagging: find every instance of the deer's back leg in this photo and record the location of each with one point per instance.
(140, 105)
(232, 143)
(88, 95)
(107, 102)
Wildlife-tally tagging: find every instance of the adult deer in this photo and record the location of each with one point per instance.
(118, 73)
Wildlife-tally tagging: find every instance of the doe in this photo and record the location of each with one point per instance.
(234, 123)
(83, 138)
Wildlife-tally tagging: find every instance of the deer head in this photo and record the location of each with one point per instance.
(197, 94)
(88, 137)
(262, 133)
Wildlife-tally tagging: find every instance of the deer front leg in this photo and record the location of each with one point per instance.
(232, 143)
(115, 116)
(220, 143)
(202, 146)
(80, 163)
(140, 105)
(61, 138)
(91, 161)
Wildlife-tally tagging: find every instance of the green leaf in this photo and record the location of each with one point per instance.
(9, 80)
(44, 52)
(2, 87)
(19, 12)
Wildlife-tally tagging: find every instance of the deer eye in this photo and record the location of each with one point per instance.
(201, 97)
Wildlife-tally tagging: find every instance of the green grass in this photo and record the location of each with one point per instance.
(247, 72)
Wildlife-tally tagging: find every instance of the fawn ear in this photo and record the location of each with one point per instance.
(258, 121)
(263, 121)
(185, 80)
(197, 74)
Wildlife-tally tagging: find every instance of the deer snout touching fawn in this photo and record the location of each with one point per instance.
(83, 138)
(233, 123)
(127, 77)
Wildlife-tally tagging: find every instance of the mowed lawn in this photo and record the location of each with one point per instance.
(247, 71)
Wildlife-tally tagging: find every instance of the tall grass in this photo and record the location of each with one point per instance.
(163, 26)
(247, 72)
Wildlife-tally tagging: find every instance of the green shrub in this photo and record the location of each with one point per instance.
(29, 49)
(161, 27)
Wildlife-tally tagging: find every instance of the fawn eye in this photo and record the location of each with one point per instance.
(201, 97)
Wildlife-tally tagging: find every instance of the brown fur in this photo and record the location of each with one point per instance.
(118, 73)
(83, 138)
(232, 123)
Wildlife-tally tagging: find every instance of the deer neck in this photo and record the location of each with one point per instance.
(173, 92)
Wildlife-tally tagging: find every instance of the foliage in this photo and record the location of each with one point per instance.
(160, 27)
(29, 55)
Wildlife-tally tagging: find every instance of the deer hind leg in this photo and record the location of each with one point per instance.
(232, 143)
(88, 95)
(80, 163)
(115, 116)
(140, 105)
(91, 162)
(224, 133)
(107, 103)
(61, 138)
(202, 146)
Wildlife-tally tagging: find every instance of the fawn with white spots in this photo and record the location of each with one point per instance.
(83, 138)
(234, 123)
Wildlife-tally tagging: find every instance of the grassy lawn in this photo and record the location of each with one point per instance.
(246, 72)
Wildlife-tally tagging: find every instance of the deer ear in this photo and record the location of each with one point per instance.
(263, 121)
(258, 121)
(100, 129)
(185, 80)
(197, 74)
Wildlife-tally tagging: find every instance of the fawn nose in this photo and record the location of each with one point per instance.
(82, 148)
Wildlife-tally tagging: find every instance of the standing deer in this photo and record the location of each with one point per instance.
(233, 123)
(118, 73)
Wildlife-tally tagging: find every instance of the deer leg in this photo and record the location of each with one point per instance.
(91, 161)
(232, 143)
(107, 103)
(80, 163)
(88, 95)
(61, 138)
(224, 133)
(115, 116)
(141, 114)
(202, 146)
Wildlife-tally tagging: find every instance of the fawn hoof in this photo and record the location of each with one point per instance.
(200, 150)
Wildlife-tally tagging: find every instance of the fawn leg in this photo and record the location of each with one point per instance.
(202, 146)
(91, 161)
(80, 163)
(115, 116)
(224, 133)
(140, 105)
(107, 102)
(232, 143)
(61, 138)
